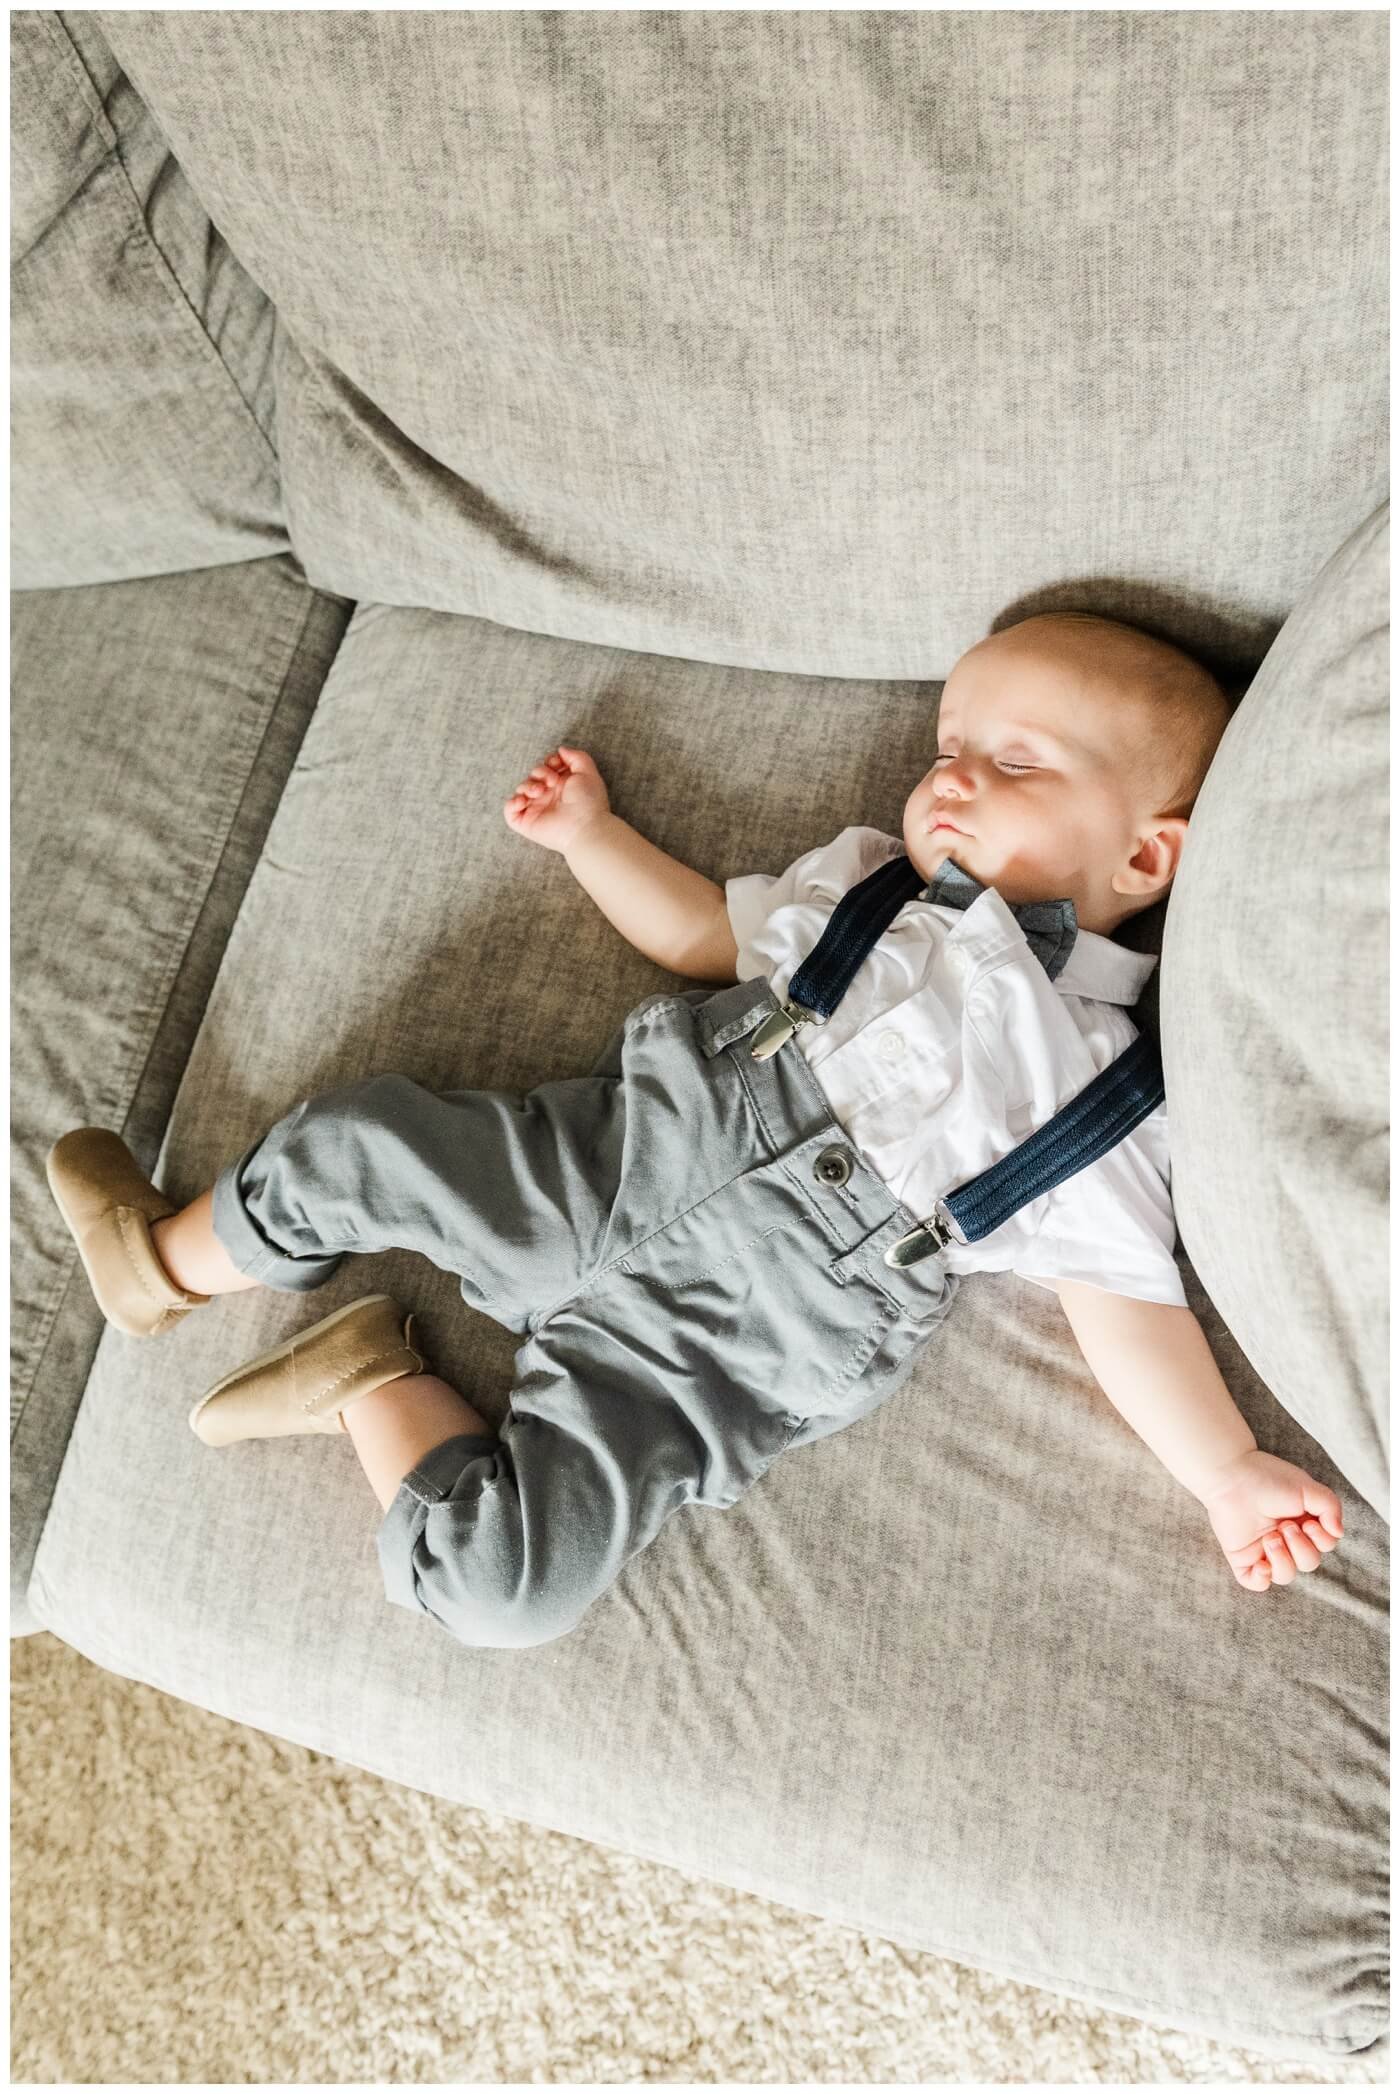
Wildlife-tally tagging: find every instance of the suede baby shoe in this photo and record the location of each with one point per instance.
(303, 1384)
(109, 1203)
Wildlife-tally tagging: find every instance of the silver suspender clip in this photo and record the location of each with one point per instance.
(779, 1026)
(928, 1237)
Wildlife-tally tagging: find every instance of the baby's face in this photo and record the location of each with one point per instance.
(1030, 791)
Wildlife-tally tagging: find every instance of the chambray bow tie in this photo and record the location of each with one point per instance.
(1050, 927)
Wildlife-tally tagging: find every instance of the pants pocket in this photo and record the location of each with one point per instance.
(739, 1295)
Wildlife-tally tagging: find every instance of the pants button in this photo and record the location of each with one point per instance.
(833, 1166)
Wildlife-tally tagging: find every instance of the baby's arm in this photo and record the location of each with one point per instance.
(1153, 1363)
(667, 910)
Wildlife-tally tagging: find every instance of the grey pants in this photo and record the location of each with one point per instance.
(691, 1247)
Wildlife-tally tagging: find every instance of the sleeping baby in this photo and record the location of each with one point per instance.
(736, 1232)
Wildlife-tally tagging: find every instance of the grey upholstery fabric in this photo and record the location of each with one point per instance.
(1275, 1027)
(153, 725)
(811, 346)
(140, 351)
(970, 1674)
(807, 340)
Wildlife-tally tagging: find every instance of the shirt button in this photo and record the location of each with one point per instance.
(892, 1045)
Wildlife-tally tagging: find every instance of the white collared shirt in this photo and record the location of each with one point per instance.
(952, 1044)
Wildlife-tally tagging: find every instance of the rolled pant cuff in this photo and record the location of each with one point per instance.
(406, 1516)
(250, 1250)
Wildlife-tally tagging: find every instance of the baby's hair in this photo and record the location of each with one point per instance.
(1187, 710)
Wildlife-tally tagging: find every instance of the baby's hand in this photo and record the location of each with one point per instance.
(558, 800)
(1257, 1518)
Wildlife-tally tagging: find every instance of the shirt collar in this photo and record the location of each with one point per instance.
(1078, 962)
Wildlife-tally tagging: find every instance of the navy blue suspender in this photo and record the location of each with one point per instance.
(1118, 1099)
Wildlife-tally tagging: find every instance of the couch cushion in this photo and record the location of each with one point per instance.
(1275, 1016)
(972, 1674)
(153, 726)
(806, 340)
(141, 404)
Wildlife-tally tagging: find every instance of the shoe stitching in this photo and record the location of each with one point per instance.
(357, 1368)
(124, 1217)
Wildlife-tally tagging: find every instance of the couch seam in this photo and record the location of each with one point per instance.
(130, 1077)
(57, 29)
(142, 226)
(299, 648)
(84, 182)
(52, 26)
(135, 1077)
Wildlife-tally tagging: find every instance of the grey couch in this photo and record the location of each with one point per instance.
(395, 395)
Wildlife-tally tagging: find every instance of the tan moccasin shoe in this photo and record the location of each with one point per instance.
(109, 1204)
(304, 1383)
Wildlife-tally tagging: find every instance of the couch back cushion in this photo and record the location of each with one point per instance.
(806, 341)
(1275, 1025)
(141, 403)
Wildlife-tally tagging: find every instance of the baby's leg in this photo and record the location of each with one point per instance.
(506, 1539)
(192, 1254)
(395, 1426)
(509, 1191)
(391, 1428)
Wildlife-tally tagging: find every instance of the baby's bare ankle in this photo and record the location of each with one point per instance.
(192, 1254)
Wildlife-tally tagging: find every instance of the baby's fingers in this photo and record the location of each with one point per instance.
(1299, 1547)
(1249, 1566)
(1289, 1552)
(544, 778)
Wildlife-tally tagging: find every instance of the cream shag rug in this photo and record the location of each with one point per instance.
(195, 1901)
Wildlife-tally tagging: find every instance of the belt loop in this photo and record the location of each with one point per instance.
(731, 1014)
